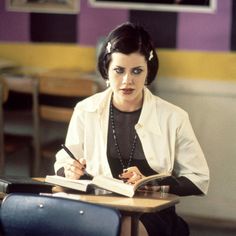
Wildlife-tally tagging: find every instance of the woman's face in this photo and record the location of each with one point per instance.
(127, 75)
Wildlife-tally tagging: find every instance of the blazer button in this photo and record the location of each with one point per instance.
(139, 125)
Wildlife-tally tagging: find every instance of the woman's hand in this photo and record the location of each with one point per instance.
(75, 169)
(131, 175)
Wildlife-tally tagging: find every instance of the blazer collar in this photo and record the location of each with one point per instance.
(149, 115)
(97, 102)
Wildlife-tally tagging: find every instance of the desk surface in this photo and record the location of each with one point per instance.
(20, 84)
(141, 202)
(24, 83)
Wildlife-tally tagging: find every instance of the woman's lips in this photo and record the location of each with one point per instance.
(127, 91)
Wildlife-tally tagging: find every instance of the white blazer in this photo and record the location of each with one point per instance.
(165, 132)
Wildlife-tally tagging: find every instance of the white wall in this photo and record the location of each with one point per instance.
(212, 109)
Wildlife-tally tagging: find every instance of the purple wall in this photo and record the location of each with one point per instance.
(205, 31)
(194, 31)
(14, 26)
(97, 22)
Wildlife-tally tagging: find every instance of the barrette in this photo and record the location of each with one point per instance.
(108, 47)
(150, 55)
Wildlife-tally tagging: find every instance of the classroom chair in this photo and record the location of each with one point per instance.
(3, 98)
(38, 215)
(18, 126)
(59, 91)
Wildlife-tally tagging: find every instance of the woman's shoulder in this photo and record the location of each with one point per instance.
(171, 112)
(166, 106)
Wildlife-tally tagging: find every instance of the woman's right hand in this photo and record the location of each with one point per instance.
(75, 169)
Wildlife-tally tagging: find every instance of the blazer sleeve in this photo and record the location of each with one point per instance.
(190, 161)
(74, 141)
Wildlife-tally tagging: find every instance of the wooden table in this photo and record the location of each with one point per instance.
(23, 83)
(142, 202)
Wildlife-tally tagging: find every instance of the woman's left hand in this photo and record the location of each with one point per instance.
(131, 175)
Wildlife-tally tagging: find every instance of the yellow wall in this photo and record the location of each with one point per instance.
(173, 63)
(49, 55)
(198, 65)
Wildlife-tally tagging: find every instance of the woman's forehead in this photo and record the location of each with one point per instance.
(132, 59)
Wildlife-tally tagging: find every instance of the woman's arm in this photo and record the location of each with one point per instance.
(65, 165)
(190, 167)
(185, 187)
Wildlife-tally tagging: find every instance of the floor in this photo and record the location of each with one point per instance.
(17, 164)
(211, 232)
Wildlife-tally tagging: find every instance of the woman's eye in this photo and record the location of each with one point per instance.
(137, 71)
(119, 70)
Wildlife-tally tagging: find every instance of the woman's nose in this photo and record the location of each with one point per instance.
(127, 79)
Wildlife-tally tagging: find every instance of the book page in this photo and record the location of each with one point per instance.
(147, 179)
(114, 185)
(81, 185)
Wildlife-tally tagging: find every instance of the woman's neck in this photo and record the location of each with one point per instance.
(127, 106)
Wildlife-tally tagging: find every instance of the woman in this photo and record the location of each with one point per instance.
(127, 132)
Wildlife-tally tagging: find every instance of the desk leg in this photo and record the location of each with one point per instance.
(134, 224)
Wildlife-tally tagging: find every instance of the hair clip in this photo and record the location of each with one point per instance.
(108, 47)
(150, 55)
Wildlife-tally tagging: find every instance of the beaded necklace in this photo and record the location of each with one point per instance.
(131, 155)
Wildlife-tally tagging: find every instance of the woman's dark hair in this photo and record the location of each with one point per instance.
(128, 38)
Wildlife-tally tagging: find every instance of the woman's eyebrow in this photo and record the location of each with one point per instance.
(137, 67)
(123, 67)
(119, 66)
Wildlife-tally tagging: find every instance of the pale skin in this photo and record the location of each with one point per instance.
(127, 75)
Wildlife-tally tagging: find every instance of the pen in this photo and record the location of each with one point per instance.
(73, 157)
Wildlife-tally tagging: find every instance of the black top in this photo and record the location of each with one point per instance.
(125, 131)
(124, 123)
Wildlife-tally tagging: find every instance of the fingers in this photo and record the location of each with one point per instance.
(75, 169)
(82, 161)
(133, 169)
(131, 175)
(134, 178)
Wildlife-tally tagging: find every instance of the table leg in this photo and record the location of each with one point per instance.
(135, 224)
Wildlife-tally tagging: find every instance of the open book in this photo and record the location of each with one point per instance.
(107, 183)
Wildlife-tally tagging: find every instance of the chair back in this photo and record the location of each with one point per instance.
(3, 98)
(29, 214)
(59, 91)
(62, 93)
(3, 90)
